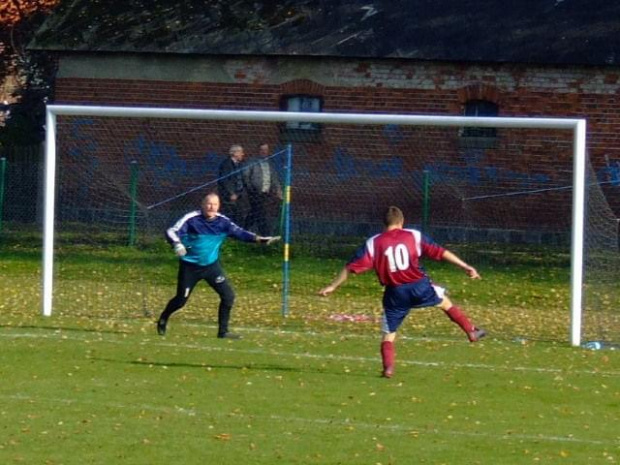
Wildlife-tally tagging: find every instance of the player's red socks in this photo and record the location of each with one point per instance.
(387, 356)
(458, 316)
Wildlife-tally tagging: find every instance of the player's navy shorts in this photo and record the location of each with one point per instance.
(399, 300)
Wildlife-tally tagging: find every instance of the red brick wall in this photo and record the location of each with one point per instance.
(400, 87)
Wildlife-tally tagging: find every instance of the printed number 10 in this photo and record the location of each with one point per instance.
(398, 257)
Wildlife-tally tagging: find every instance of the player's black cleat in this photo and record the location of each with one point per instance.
(161, 326)
(229, 336)
(476, 334)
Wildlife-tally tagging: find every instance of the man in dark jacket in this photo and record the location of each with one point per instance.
(231, 186)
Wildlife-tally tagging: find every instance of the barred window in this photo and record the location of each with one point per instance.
(480, 108)
(302, 103)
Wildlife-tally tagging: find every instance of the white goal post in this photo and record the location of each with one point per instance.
(576, 126)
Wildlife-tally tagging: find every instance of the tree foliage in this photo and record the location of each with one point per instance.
(14, 11)
(33, 71)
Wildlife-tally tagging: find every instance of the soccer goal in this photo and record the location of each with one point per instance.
(498, 191)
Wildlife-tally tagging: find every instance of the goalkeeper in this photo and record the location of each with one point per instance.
(394, 255)
(196, 239)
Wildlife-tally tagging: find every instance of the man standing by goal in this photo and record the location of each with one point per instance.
(395, 256)
(196, 239)
(264, 190)
(231, 186)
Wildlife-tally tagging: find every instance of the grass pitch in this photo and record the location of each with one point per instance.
(117, 393)
(94, 384)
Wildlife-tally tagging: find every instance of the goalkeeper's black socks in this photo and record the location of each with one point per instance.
(161, 325)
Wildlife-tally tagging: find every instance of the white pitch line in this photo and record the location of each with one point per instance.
(344, 358)
(333, 422)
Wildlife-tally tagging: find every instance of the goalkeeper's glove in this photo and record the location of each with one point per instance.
(179, 249)
(268, 239)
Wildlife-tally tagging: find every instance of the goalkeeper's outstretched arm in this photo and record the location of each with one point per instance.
(268, 240)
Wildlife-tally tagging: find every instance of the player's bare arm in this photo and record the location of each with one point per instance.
(470, 270)
(335, 284)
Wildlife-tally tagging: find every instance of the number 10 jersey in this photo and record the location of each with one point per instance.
(395, 256)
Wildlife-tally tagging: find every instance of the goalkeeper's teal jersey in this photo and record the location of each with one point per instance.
(203, 237)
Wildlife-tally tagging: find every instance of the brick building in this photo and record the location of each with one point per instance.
(551, 58)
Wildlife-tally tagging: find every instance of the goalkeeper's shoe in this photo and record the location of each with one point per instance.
(161, 326)
(228, 336)
(476, 334)
(388, 372)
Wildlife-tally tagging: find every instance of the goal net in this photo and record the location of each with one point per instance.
(506, 194)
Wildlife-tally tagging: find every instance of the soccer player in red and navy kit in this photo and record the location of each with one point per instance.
(196, 239)
(395, 256)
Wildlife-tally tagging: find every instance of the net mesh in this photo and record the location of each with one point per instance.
(502, 202)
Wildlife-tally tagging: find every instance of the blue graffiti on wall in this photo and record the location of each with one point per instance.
(474, 173)
(158, 161)
(393, 134)
(610, 174)
(347, 166)
(84, 149)
(479, 175)
(162, 165)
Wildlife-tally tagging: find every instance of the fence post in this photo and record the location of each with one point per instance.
(287, 230)
(133, 190)
(2, 188)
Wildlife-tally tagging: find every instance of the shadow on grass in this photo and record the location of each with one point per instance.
(61, 329)
(233, 366)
